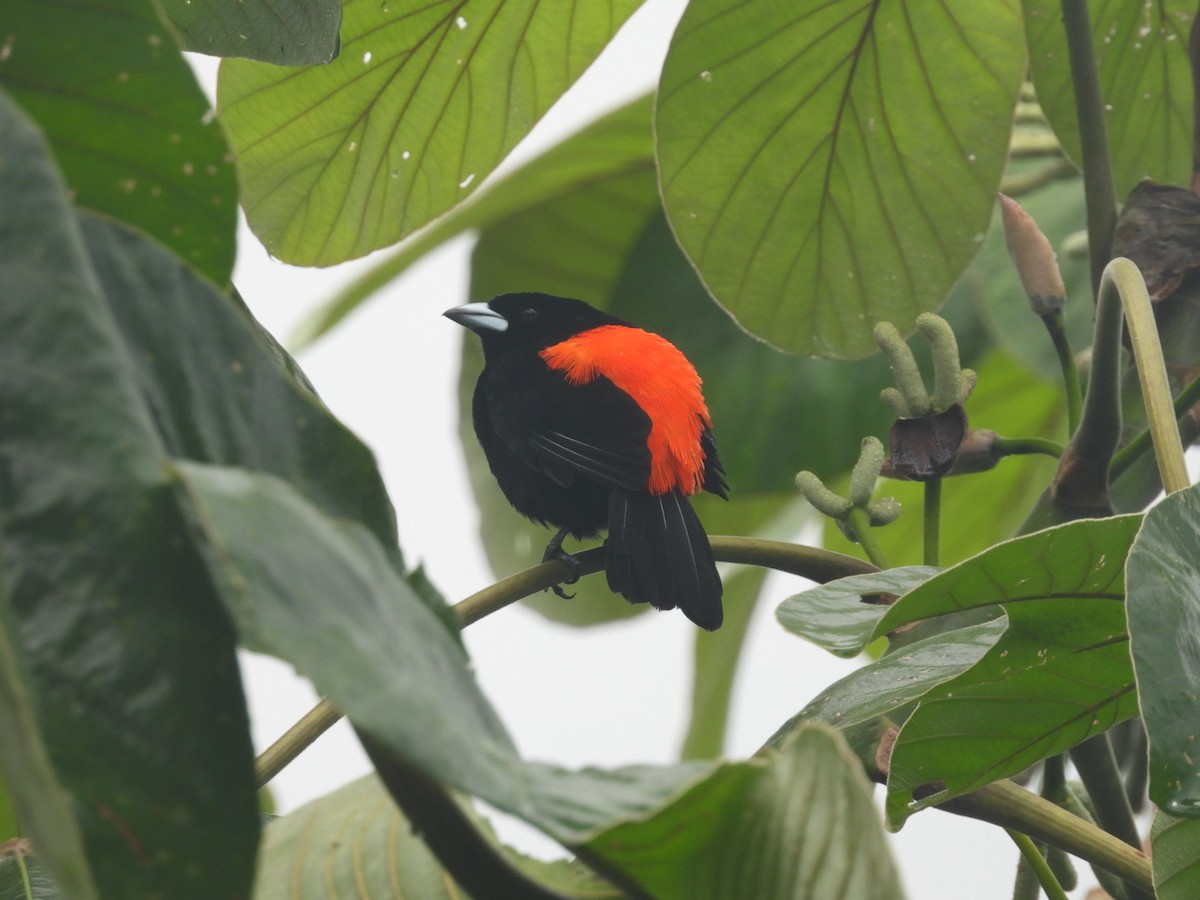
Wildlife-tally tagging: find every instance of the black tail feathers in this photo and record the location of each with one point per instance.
(659, 554)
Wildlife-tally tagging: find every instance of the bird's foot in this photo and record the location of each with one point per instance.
(554, 551)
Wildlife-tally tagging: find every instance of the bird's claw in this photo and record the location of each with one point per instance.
(555, 552)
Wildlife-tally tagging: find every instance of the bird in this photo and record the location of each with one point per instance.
(588, 424)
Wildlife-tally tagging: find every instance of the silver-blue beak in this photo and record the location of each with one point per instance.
(478, 317)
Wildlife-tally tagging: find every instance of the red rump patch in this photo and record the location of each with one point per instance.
(659, 378)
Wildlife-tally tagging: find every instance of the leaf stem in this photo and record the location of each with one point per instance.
(860, 523)
(1009, 806)
(1132, 451)
(808, 562)
(1037, 863)
(1026, 446)
(1057, 328)
(1099, 193)
(1097, 769)
(933, 521)
(1152, 372)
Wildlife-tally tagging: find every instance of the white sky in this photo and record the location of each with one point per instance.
(608, 696)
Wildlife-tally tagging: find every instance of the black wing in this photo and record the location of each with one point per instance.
(565, 431)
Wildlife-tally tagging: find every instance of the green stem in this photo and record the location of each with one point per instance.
(1057, 327)
(1131, 452)
(1026, 446)
(1009, 806)
(1038, 864)
(812, 563)
(294, 741)
(1097, 769)
(933, 522)
(865, 535)
(1099, 193)
(1152, 372)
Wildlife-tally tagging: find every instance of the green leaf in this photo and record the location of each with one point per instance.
(796, 822)
(355, 842)
(1059, 674)
(1078, 560)
(614, 151)
(23, 877)
(420, 106)
(126, 656)
(1175, 855)
(899, 678)
(219, 393)
(829, 166)
(1164, 602)
(1145, 83)
(378, 652)
(9, 826)
(285, 32)
(837, 617)
(986, 507)
(130, 127)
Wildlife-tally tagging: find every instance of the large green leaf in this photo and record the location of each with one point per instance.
(128, 659)
(841, 616)
(1059, 674)
(830, 165)
(423, 102)
(1145, 83)
(793, 822)
(130, 127)
(1164, 606)
(1175, 855)
(285, 32)
(614, 151)
(981, 509)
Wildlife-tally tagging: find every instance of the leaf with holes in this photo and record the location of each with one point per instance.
(422, 103)
(841, 616)
(1060, 673)
(828, 166)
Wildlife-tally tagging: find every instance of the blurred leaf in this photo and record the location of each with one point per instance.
(420, 106)
(379, 653)
(715, 663)
(793, 822)
(285, 32)
(128, 660)
(1145, 83)
(1175, 856)
(835, 616)
(1164, 603)
(9, 826)
(899, 678)
(981, 509)
(130, 127)
(793, 137)
(219, 394)
(1059, 674)
(24, 878)
(355, 842)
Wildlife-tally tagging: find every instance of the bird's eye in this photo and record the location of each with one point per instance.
(528, 314)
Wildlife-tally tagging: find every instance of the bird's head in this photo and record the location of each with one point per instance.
(528, 320)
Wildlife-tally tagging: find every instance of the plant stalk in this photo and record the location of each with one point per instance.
(1037, 863)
